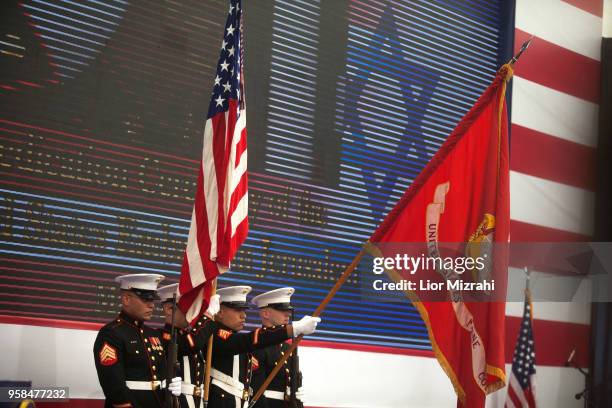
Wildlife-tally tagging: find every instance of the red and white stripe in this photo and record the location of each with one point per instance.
(555, 103)
(519, 398)
(219, 220)
(554, 120)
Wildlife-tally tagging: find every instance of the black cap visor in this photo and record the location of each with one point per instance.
(146, 295)
(236, 305)
(280, 306)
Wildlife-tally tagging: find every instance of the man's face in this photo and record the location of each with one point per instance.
(232, 318)
(136, 307)
(272, 317)
(180, 320)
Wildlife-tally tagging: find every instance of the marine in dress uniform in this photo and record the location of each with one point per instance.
(275, 309)
(232, 359)
(191, 345)
(129, 356)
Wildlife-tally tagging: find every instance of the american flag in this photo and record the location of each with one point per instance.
(219, 222)
(521, 390)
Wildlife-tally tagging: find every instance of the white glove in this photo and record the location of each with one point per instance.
(214, 305)
(306, 325)
(175, 386)
(299, 394)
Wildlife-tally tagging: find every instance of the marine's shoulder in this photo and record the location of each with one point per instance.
(121, 327)
(113, 325)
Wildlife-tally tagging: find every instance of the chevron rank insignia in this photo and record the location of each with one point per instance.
(224, 334)
(108, 355)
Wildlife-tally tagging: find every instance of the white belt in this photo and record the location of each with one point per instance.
(227, 383)
(277, 395)
(145, 385)
(190, 389)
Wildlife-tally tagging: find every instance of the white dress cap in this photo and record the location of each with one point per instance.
(166, 293)
(277, 298)
(143, 281)
(234, 296)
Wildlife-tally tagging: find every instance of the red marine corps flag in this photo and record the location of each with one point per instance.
(219, 222)
(462, 196)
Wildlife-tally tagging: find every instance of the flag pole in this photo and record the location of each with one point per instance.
(172, 401)
(317, 312)
(209, 348)
(524, 46)
(527, 281)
